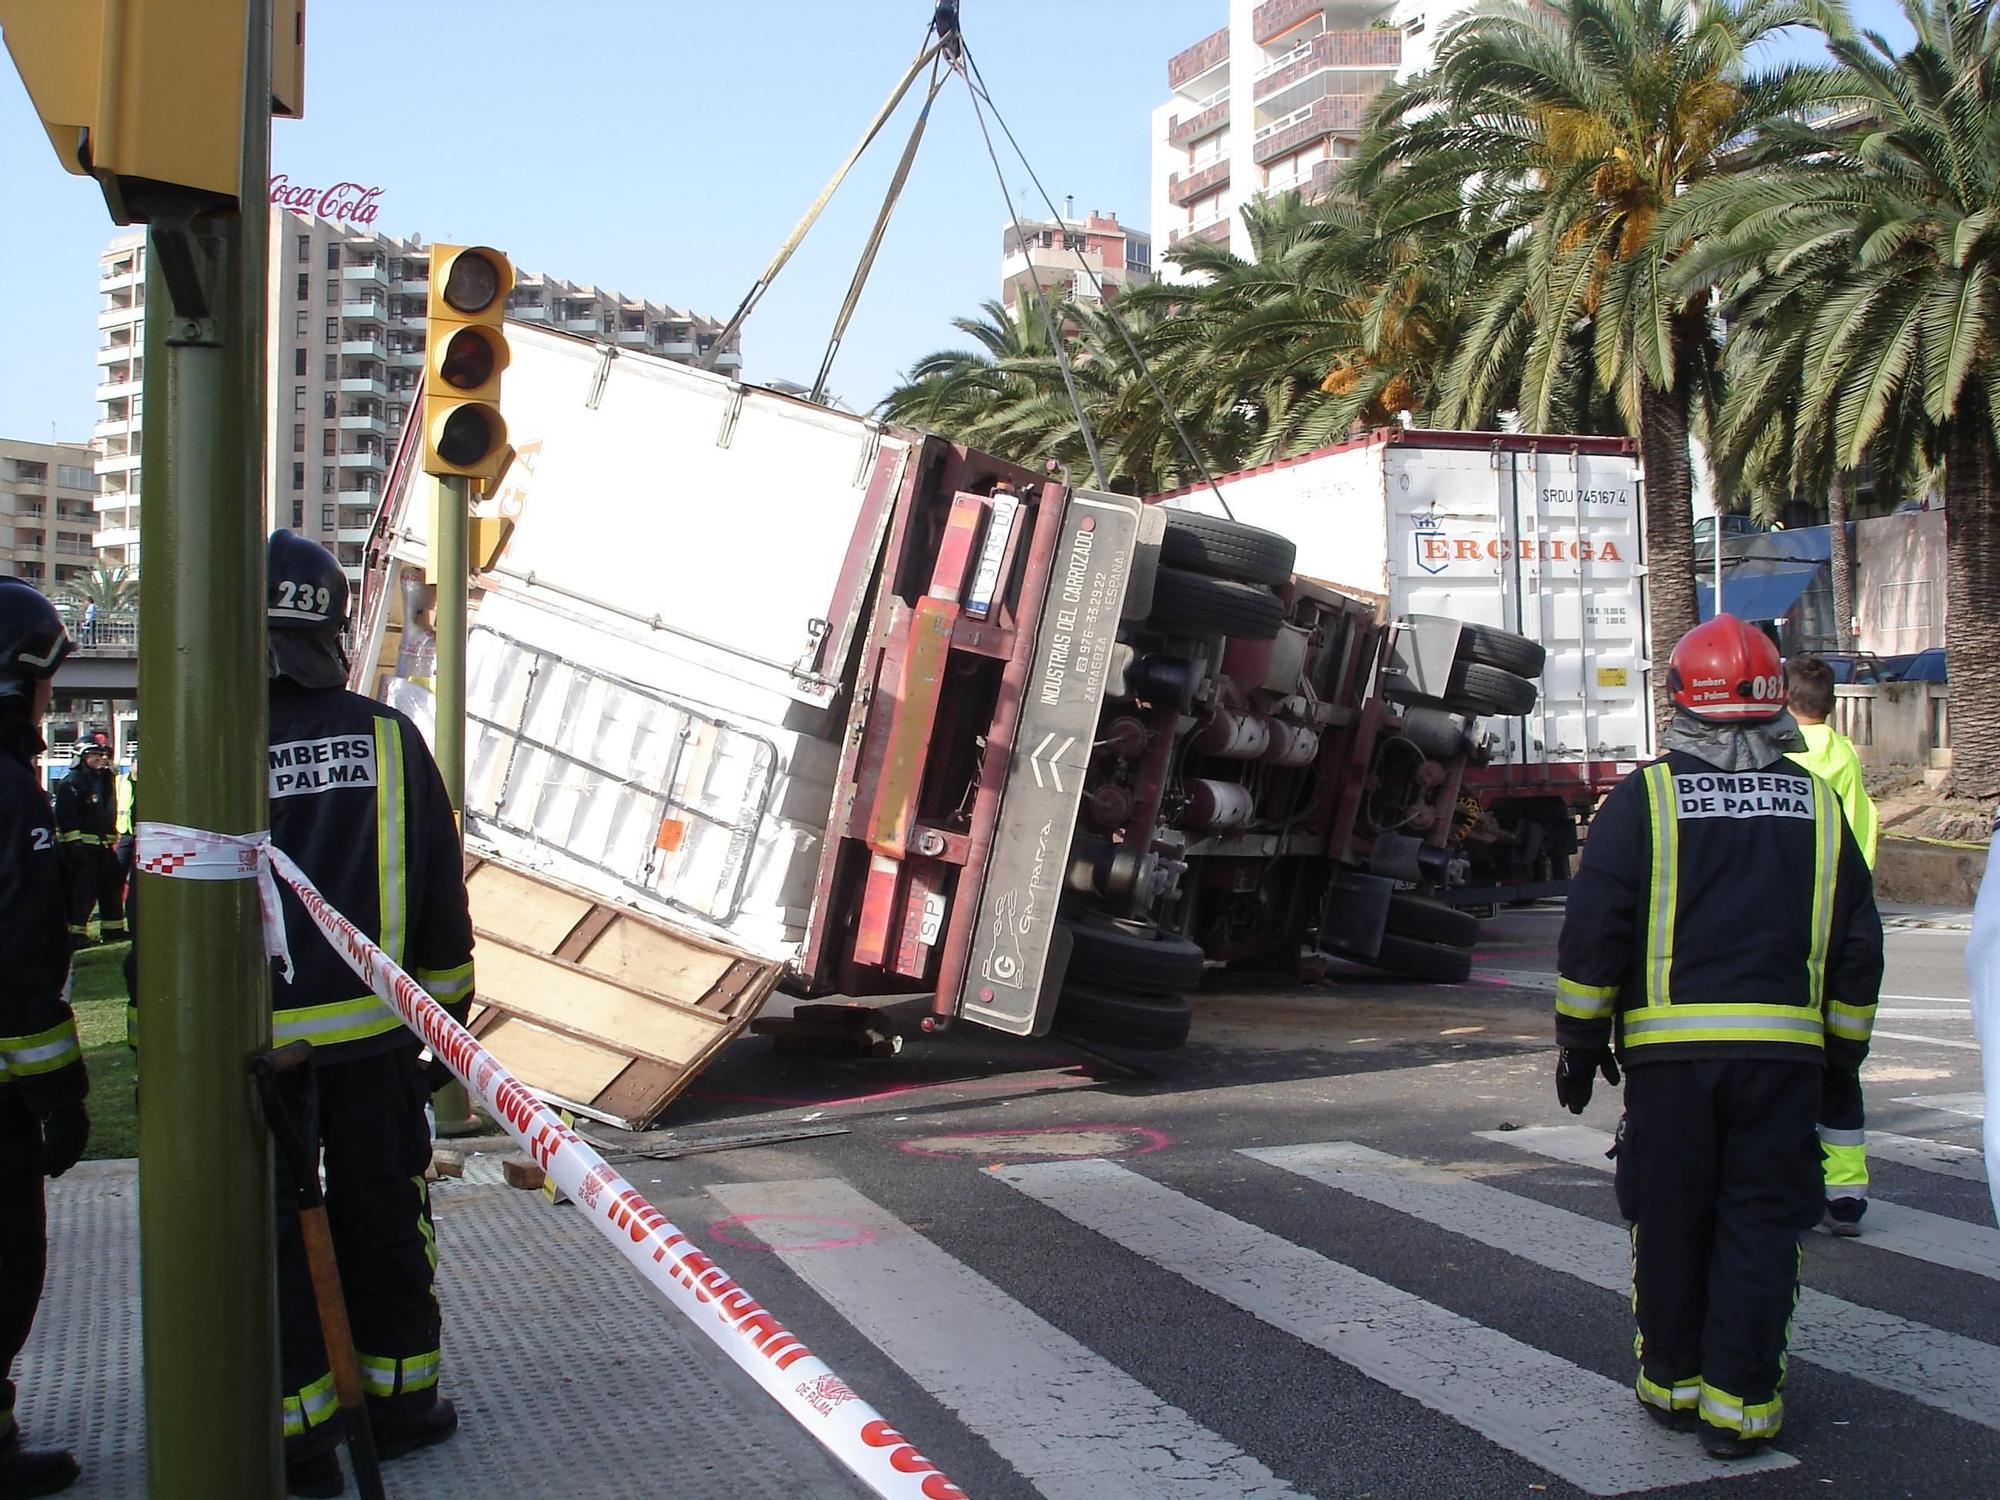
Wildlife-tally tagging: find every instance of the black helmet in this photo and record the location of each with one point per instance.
(33, 642)
(305, 606)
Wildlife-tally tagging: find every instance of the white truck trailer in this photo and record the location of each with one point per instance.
(1536, 535)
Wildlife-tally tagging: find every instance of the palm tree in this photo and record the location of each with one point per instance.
(113, 589)
(1559, 133)
(1878, 265)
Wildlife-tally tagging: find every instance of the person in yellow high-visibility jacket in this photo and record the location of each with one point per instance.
(1830, 755)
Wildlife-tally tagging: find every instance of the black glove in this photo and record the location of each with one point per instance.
(1576, 1074)
(65, 1133)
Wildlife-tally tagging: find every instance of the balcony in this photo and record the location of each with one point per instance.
(1381, 48)
(116, 390)
(529, 312)
(1185, 130)
(120, 281)
(361, 422)
(353, 276)
(410, 288)
(1321, 118)
(1215, 231)
(118, 463)
(632, 338)
(115, 536)
(407, 359)
(367, 385)
(363, 460)
(1212, 51)
(117, 354)
(581, 325)
(1184, 188)
(364, 348)
(1274, 18)
(120, 317)
(371, 308)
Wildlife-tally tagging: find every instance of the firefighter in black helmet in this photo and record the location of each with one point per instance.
(358, 802)
(43, 1124)
(87, 829)
(1722, 934)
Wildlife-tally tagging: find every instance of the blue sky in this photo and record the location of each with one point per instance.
(662, 149)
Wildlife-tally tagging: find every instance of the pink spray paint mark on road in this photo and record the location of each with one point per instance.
(1145, 1140)
(857, 1234)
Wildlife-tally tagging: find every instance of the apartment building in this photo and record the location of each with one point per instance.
(345, 343)
(1045, 253)
(46, 513)
(1272, 102)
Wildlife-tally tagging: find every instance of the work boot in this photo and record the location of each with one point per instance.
(1843, 1216)
(1720, 1442)
(315, 1475)
(397, 1436)
(1673, 1421)
(25, 1472)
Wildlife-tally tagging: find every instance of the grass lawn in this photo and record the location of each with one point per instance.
(97, 993)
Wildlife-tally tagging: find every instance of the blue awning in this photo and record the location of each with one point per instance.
(1757, 591)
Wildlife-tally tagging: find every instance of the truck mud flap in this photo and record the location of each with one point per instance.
(1017, 958)
(598, 1008)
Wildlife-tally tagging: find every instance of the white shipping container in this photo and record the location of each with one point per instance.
(1539, 535)
(653, 665)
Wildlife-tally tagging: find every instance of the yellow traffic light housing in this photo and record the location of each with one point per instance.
(465, 352)
(147, 96)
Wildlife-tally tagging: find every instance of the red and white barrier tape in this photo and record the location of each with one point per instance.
(819, 1400)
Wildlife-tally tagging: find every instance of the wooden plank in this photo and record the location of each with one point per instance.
(565, 999)
(552, 1063)
(586, 932)
(664, 962)
(725, 998)
(532, 913)
(638, 1093)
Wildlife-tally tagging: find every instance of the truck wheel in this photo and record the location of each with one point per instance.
(1431, 921)
(1120, 1018)
(1503, 649)
(1138, 958)
(1488, 690)
(1440, 963)
(1187, 603)
(1227, 549)
(1435, 731)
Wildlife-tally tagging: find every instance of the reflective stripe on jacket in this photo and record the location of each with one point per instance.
(1720, 913)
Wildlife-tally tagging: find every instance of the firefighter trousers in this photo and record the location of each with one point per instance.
(376, 1143)
(92, 882)
(1719, 1174)
(1843, 1136)
(23, 1244)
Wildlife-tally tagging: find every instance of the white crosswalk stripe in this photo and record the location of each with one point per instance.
(1937, 1238)
(1944, 1370)
(1075, 1425)
(1973, 1106)
(1965, 1162)
(1573, 1422)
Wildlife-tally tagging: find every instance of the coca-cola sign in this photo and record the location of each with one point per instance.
(344, 202)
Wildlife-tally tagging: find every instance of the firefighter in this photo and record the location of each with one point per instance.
(1830, 755)
(87, 825)
(358, 802)
(1721, 938)
(43, 1123)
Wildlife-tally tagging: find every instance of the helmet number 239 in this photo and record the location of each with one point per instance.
(303, 596)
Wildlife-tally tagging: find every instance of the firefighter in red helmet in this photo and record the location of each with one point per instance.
(1721, 940)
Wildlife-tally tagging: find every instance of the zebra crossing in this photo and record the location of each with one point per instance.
(1071, 1421)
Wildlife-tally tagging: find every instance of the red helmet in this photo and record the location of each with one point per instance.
(1727, 672)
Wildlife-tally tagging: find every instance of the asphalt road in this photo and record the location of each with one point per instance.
(1343, 1244)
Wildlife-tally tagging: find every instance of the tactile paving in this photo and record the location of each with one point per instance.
(571, 1377)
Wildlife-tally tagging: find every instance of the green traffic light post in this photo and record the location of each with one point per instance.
(207, 1266)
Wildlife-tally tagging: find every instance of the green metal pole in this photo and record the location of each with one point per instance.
(205, 1219)
(451, 1104)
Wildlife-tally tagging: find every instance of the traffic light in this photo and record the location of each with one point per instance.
(147, 95)
(465, 351)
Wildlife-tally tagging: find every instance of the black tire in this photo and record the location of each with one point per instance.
(1120, 1018)
(1187, 603)
(1503, 649)
(1431, 921)
(1133, 959)
(1435, 731)
(1227, 549)
(1440, 963)
(1488, 690)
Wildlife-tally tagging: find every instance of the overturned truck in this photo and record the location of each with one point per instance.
(901, 719)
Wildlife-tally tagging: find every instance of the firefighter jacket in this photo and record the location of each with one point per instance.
(87, 807)
(1720, 914)
(39, 1052)
(358, 802)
